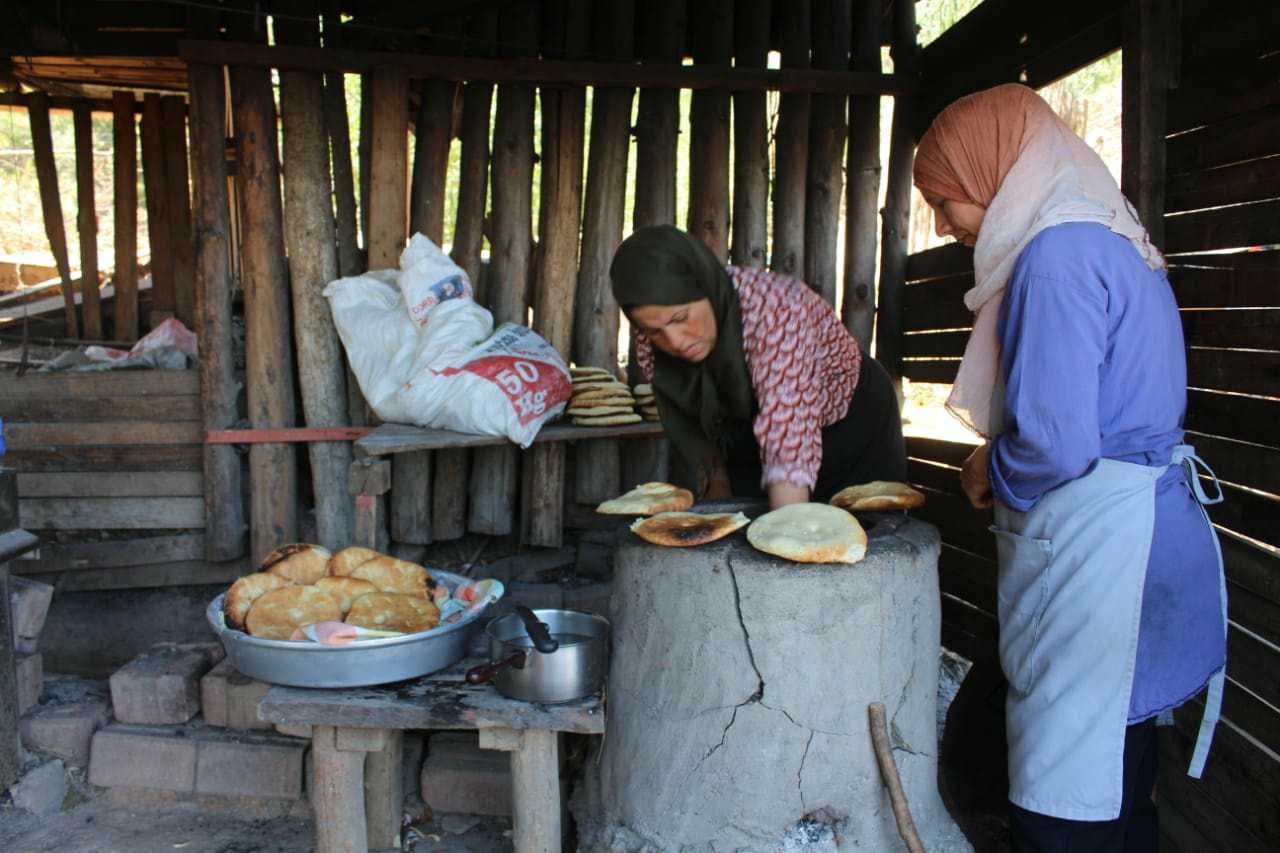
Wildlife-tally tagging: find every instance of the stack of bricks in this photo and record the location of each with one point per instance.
(29, 606)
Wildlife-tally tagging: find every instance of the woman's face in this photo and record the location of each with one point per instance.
(686, 331)
(957, 219)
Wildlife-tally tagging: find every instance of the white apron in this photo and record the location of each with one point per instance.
(1070, 599)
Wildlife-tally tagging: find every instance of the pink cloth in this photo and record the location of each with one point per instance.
(804, 368)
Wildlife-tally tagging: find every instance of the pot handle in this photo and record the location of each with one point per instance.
(537, 629)
(485, 671)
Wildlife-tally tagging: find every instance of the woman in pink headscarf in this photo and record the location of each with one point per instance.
(1110, 592)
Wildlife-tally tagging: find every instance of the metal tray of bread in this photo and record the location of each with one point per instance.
(362, 664)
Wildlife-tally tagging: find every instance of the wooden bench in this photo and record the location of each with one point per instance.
(357, 736)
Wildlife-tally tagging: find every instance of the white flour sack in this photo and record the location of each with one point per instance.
(442, 368)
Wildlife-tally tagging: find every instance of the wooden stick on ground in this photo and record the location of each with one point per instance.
(889, 773)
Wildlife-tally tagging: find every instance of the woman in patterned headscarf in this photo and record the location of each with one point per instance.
(759, 387)
(1110, 595)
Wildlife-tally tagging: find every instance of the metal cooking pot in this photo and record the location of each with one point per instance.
(545, 656)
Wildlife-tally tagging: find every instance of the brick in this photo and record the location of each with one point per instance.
(213, 694)
(65, 730)
(359, 739)
(29, 605)
(230, 699)
(302, 730)
(162, 687)
(29, 669)
(42, 789)
(271, 769)
(138, 757)
(460, 777)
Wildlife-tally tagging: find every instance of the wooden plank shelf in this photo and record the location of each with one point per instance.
(403, 438)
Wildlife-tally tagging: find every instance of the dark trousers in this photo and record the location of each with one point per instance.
(1134, 831)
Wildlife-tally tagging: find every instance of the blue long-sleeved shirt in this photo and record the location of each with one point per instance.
(1095, 367)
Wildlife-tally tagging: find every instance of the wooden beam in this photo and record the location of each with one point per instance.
(177, 185)
(862, 191)
(125, 275)
(828, 128)
(51, 204)
(750, 245)
(550, 72)
(159, 215)
(61, 104)
(791, 148)
(167, 513)
(1145, 91)
(87, 224)
(388, 168)
(712, 39)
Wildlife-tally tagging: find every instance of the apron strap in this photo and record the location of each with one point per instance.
(1212, 707)
(1185, 455)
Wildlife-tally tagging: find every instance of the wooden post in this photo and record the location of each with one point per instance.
(791, 147)
(1144, 84)
(712, 25)
(364, 148)
(449, 495)
(224, 534)
(750, 140)
(496, 470)
(827, 130)
(862, 192)
(368, 482)
(598, 471)
(87, 225)
(535, 791)
(125, 181)
(563, 128)
(156, 179)
(177, 183)
(313, 263)
(897, 212)
(384, 791)
(388, 167)
(50, 202)
(273, 469)
(338, 795)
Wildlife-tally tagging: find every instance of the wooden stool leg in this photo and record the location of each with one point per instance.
(384, 792)
(368, 480)
(339, 795)
(535, 792)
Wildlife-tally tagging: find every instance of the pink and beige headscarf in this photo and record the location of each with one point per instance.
(1006, 150)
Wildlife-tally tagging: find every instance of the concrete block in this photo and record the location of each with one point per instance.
(213, 694)
(351, 739)
(65, 730)
(230, 699)
(142, 757)
(29, 669)
(458, 776)
(162, 687)
(271, 769)
(42, 789)
(302, 730)
(29, 605)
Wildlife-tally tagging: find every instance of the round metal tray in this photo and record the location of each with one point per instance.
(359, 664)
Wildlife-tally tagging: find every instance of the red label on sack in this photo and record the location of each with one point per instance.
(531, 385)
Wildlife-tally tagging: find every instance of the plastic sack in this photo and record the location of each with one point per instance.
(447, 371)
(170, 333)
(428, 277)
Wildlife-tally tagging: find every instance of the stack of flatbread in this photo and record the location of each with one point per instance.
(599, 399)
(646, 402)
(303, 584)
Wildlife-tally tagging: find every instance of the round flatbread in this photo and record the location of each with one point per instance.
(587, 370)
(596, 411)
(645, 401)
(643, 389)
(648, 499)
(345, 590)
(245, 591)
(607, 420)
(390, 611)
(651, 418)
(391, 575)
(601, 401)
(615, 388)
(280, 612)
(678, 529)
(601, 393)
(877, 495)
(809, 533)
(345, 561)
(298, 563)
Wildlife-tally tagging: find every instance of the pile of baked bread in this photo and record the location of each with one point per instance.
(599, 398)
(302, 584)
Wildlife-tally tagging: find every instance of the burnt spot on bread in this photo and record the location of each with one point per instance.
(693, 531)
(282, 553)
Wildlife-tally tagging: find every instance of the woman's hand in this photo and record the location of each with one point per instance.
(781, 494)
(718, 488)
(974, 478)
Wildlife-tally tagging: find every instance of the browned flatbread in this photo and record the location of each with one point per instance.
(299, 562)
(648, 499)
(877, 495)
(809, 533)
(280, 612)
(593, 411)
(242, 594)
(390, 611)
(678, 529)
(601, 394)
(343, 562)
(391, 575)
(345, 590)
(606, 420)
(577, 371)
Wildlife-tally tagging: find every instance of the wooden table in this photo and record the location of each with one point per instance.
(357, 735)
(403, 438)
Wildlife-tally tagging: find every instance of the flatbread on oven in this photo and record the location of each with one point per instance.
(809, 533)
(877, 495)
(648, 499)
(680, 529)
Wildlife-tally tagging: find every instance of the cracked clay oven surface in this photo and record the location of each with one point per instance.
(738, 694)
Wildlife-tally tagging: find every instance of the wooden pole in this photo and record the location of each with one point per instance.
(363, 151)
(598, 471)
(827, 130)
(273, 471)
(496, 470)
(177, 183)
(791, 146)
(563, 129)
(225, 527)
(313, 263)
(125, 183)
(712, 24)
(750, 140)
(51, 203)
(87, 224)
(1144, 84)
(862, 192)
(449, 497)
(897, 213)
(156, 180)
(388, 167)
